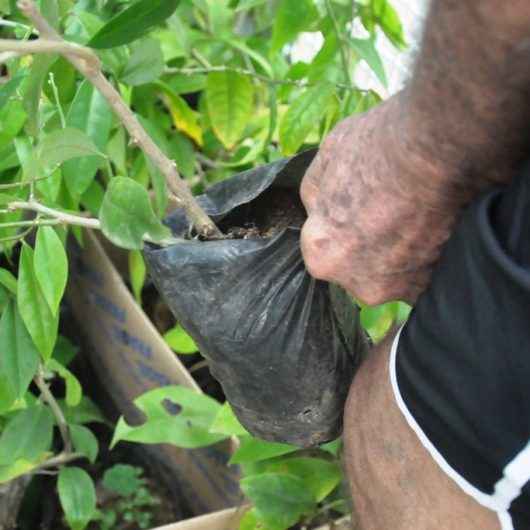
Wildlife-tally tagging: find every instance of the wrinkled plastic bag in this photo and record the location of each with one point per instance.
(283, 345)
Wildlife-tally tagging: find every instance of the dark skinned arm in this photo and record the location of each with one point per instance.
(386, 187)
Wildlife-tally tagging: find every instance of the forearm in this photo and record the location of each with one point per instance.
(468, 103)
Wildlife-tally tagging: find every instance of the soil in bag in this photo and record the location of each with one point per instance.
(283, 345)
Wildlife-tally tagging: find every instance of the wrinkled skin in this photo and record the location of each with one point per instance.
(379, 209)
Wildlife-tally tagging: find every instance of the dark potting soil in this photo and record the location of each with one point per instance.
(270, 213)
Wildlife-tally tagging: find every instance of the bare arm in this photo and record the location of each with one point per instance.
(468, 102)
(387, 186)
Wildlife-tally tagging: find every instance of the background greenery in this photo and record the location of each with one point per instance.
(213, 84)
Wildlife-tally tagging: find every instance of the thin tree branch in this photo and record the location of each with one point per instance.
(293, 82)
(32, 222)
(7, 56)
(12, 24)
(59, 217)
(92, 71)
(56, 461)
(48, 46)
(22, 184)
(56, 410)
(343, 44)
(62, 217)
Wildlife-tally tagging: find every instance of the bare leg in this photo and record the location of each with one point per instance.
(395, 483)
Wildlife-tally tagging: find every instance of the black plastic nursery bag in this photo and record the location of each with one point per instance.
(283, 345)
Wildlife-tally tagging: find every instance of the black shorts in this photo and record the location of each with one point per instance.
(460, 367)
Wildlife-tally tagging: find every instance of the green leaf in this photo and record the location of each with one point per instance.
(27, 435)
(382, 13)
(32, 91)
(332, 447)
(73, 387)
(19, 467)
(145, 64)
(302, 116)
(279, 499)
(133, 22)
(50, 187)
(117, 151)
(255, 450)
(8, 280)
(184, 117)
(157, 179)
(127, 216)
(181, 150)
(123, 479)
(91, 114)
(249, 4)
(64, 351)
(40, 321)
(65, 144)
(137, 272)
(240, 45)
(367, 101)
(4, 299)
(377, 320)
(19, 359)
(229, 100)
(319, 476)
(12, 119)
(77, 495)
(175, 415)
(86, 412)
(179, 341)
(403, 312)
(51, 266)
(64, 77)
(31, 169)
(187, 84)
(9, 89)
(292, 17)
(365, 49)
(7, 394)
(227, 423)
(92, 199)
(84, 441)
(250, 521)
(50, 11)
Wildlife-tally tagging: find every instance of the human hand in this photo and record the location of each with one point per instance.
(379, 207)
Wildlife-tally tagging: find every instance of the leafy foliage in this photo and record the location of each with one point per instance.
(214, 85)
(135, 504)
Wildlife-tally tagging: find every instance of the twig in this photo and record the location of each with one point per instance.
(16, 237)
(48, 46)
(340, 37)
(293, 82)
(22, 184)
(59, 460)
(62, 217)
(12, 24)
(56, 410)
(91, 69)
(57, 100)
(33, 222)
(205, 161)
(7, 56)
(198, 365)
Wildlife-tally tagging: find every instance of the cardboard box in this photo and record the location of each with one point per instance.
(221, 520)
(130, 358)
(229, 520)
